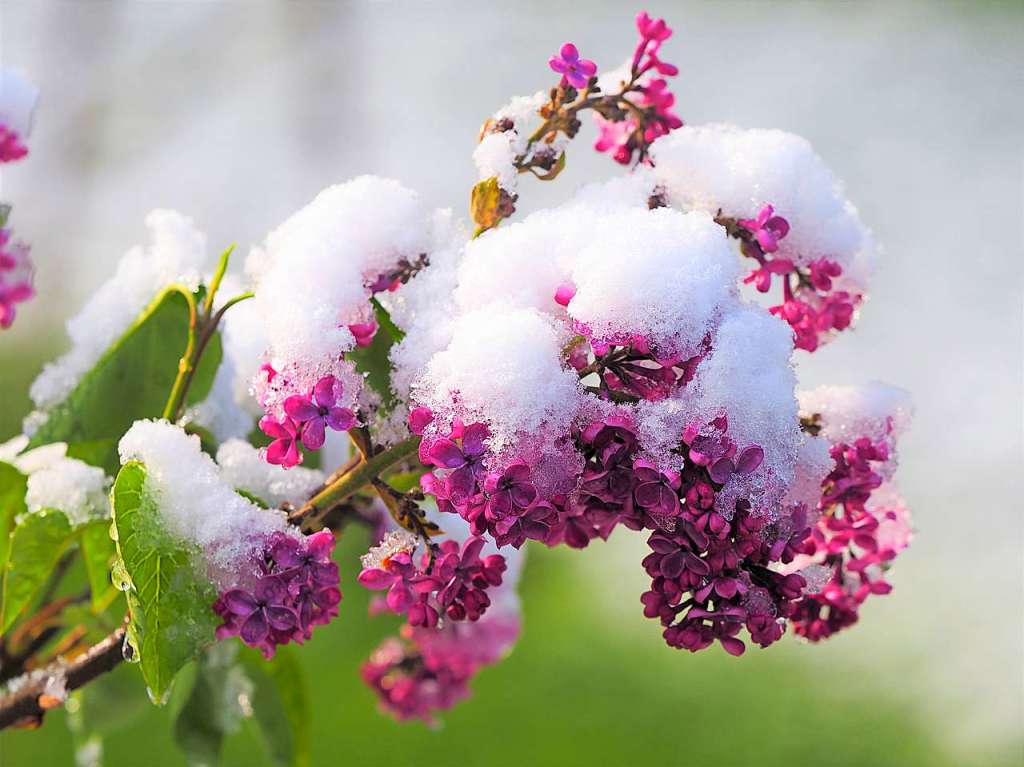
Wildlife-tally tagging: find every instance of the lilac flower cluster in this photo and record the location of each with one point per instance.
(15, 276)
(428, 670)
(710, 571)
(295, 589)
(857, 537)
(16, 271)
(651, 116)
(811, 304)
(449, 582)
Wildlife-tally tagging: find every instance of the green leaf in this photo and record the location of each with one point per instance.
(12, 503)
(98, 452)
(386, 323)
(254, 498)
(98, 554)
(213, 708)
(131, 380)
(281, 707)
(169, 607)
(36, 545)
(372, 361)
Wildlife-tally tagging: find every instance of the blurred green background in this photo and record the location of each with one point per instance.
(237, 113)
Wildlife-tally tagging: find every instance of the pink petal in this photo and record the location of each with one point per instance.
(324, 393)
(239, 602)
(399, 597)
(255, 628)
(313, 434)
(446, 454)
(300, 408)
(569, 53)
(340, 418)
(376, 579)
(748, 460)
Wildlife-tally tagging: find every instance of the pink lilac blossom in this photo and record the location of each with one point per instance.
(295, 590)
(428, 670)
(306, 420)
(574, 70)
(11, 146)
(449, 582)
(857, 537)
(653, 116)
(811, 305)
(15, 276)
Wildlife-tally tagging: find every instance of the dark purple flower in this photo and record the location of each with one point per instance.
(657, 493)
(298, 590)
(509, 496)
(260, 611)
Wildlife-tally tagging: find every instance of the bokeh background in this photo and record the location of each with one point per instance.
(237, 113)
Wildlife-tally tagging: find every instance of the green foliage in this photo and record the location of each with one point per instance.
(97, 452)
(216, 705)
(36, 545)
(372, 361)
(171, 619)
(281, 707)
(231, 684)
(12, 503)
(98, 554)
(130, 381)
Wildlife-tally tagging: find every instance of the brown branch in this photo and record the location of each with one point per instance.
(26, 707)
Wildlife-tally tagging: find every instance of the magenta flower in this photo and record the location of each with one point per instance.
(652, 30)
(15, 277)
(463, 578)
(308, 562)
(11, 146)
(767, 228)
(564, 293)
(419, 419)
(399, 576)
(407, 687)
(363, 332)
(574, 70)
(615, 137)
(823, 271)
(284, 449)
(762, 276)
(317, 412)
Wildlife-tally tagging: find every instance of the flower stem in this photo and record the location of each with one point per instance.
(218, 275)
(311, 515)
(185, 364)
